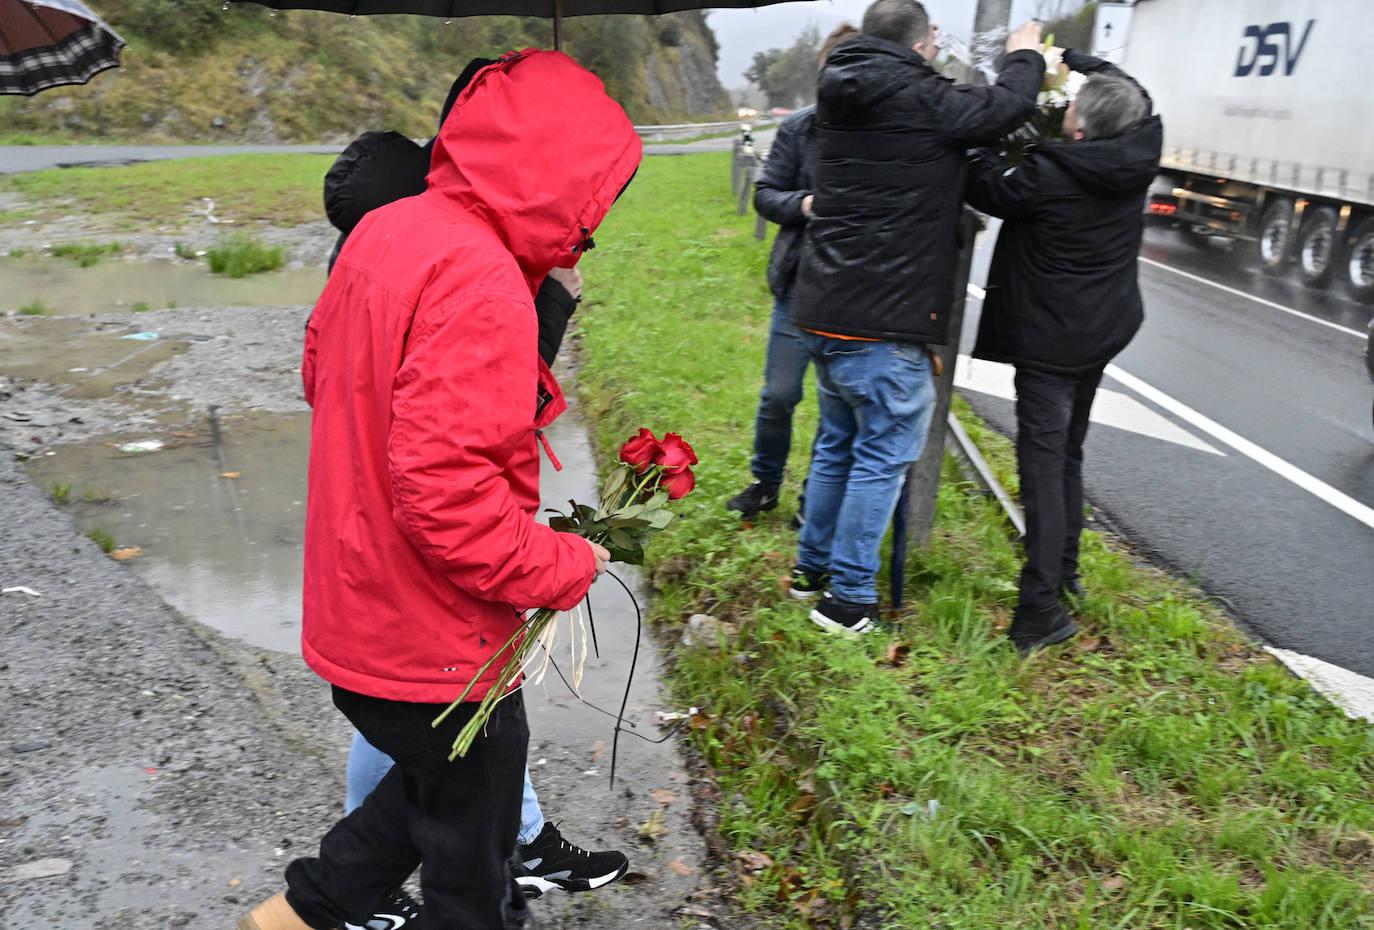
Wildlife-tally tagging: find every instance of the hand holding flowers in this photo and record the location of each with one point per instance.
(635, 495)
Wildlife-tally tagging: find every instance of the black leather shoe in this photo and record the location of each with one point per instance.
(1036, 629)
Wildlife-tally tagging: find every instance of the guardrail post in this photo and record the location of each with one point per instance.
(746, 188)
(923, 481)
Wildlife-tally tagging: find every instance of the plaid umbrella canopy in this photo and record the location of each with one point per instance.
(48, 43)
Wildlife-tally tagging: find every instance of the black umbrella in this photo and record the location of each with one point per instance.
(547, 9)
(48, 43)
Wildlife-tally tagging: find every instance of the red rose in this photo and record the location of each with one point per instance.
(641, 451)
(678, 484)
(674, 454)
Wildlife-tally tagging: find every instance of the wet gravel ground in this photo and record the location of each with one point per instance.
(307, 246)
(155, 773)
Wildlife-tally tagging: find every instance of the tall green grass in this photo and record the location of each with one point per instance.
(240, 255)
(1160, 773)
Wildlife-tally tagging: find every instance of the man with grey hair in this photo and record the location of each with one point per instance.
(876, 279)
(1062, 300)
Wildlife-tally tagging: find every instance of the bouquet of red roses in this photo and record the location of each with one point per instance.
(635, 498)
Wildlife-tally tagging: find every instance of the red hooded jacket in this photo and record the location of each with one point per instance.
(422, 366)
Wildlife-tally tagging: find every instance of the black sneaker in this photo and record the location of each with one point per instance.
(754, 499)
(844, 617)
(1036, 629)
(806, 584)
(552, 862)
(399, 911)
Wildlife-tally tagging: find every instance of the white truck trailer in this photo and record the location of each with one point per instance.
(1268, 109)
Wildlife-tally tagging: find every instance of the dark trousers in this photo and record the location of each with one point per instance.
(784, 376)
(1051, 422)
(456, 820)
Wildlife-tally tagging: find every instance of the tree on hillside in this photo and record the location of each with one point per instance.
(787, 76)
(1070, 21)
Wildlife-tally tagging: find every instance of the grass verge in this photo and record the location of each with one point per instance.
(279, 190)
(86, 254)
(1161, 772)
(240, 255)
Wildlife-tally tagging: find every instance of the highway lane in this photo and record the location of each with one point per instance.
(1262, 485)
(18, 158)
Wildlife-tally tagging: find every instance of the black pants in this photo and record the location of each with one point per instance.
(1051, 423)
(456, 820)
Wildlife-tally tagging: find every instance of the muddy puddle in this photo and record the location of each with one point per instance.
(224, 550)
(60, 286)
(227, 550)
(94, 361)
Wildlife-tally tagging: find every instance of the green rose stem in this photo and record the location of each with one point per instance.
(540, 619)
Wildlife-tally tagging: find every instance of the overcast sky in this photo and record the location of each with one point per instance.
(744, 32)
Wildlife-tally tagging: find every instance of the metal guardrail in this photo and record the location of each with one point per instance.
(673, 131)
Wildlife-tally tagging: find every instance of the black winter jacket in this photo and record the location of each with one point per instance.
(1062, 291)
(891, 134)
(780, 190)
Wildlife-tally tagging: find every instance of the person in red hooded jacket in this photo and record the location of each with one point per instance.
(422, 550)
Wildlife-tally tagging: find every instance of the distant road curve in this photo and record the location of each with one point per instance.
(15, 159)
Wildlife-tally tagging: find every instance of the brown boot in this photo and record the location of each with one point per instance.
(273, 914)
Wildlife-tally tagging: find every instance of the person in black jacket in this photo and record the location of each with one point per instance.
(876, 278)
(783, 194)
(1062, 300)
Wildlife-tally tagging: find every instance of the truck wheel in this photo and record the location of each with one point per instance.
(1274, 247)
(1359, 262)
(1319, 248)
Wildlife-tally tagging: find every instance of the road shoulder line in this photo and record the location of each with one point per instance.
(1259, 300)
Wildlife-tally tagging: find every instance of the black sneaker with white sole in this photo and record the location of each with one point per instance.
(806, 584)
(754, 499)
(844, 617)
(551, 862)
(400, 911)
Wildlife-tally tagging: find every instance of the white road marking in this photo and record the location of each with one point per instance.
(1351, 692)
(1259, 300)
(1309, 483)
(1312, 485)
(1112, 408)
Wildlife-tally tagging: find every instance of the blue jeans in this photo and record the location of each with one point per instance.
(784, 374)
(367, 764)
(877, 399)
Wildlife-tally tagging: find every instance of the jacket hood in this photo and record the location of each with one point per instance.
(866, 70)
(536, 149)
(1123, 163)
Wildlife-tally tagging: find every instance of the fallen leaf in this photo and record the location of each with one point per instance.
(652, 830)
(663, 796)
(1113, 883)
(231, 474)
(235, 882)
(754, 861)
(633, 878)
(897, 653)
(124, 553)
(1089, 644)
(803, 804)
(681, 868)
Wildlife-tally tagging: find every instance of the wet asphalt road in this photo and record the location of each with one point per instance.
(1295, 568)
(18, 158)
